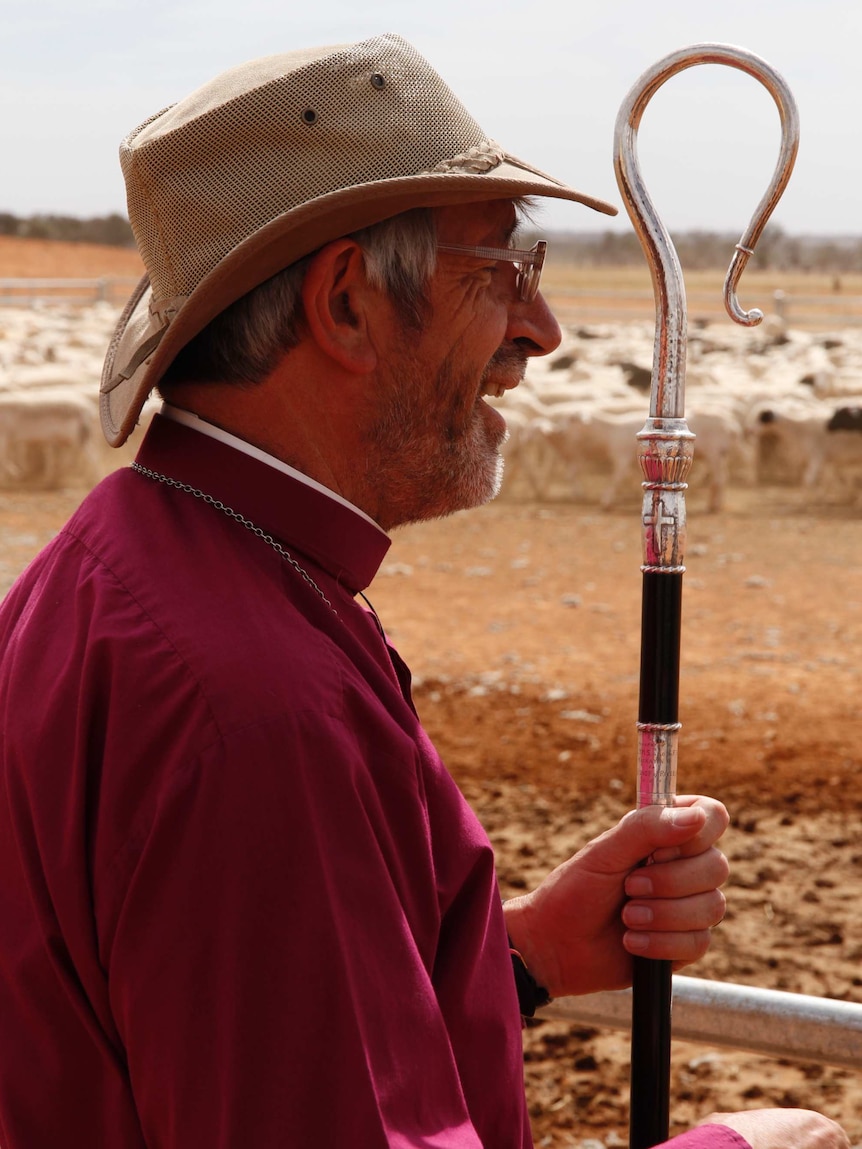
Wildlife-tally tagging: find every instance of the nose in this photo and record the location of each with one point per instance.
(533, 327)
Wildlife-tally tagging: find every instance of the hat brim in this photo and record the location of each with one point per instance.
(286, 239)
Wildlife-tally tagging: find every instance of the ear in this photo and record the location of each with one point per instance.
(337, 300)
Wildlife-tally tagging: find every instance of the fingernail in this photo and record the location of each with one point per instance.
(637, 915)
(685, 816)
(637, 941)
(637, 886)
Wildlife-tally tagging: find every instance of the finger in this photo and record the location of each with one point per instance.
(676, 915)
(679, 948)
(687, 828)
(680, 878)
(638, 834)
(676, 843)
(717, 821)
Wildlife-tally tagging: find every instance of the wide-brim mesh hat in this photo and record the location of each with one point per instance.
(270, 161)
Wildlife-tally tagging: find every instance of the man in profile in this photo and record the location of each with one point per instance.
(243, 904)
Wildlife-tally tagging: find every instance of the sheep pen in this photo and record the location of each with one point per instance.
(521, 623)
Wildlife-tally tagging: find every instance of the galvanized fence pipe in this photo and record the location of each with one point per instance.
(769, 1022)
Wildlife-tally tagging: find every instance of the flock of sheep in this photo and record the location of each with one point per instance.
(768, 405)
(50, 366)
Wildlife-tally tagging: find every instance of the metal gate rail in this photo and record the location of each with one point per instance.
(765, 1021)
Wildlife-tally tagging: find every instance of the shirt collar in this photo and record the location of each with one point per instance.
(305, 516)
(189, 419)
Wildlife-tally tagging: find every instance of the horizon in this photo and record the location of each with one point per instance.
(555, 234)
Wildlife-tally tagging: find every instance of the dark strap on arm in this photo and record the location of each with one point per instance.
(531, 995)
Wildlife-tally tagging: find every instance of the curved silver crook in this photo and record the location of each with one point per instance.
(669, 354)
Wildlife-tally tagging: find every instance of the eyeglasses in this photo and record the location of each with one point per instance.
(528, 263)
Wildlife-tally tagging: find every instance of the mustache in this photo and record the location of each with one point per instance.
(508, 360)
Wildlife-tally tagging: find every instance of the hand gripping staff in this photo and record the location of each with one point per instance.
(665, 450)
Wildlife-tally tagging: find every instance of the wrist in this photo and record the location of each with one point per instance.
(530, 976)
(531, 995)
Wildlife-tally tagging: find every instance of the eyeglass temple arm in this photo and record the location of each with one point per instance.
(513, 255)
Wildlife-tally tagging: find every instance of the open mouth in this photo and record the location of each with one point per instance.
(504, 372)
(497, 390)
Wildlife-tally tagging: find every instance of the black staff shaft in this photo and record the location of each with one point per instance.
(661, 617)
(650, 1053)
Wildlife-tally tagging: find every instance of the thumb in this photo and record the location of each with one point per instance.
(640, 832)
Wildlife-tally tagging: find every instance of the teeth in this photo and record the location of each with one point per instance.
(497, 392)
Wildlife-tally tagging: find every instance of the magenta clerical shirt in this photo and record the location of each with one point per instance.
(242, 903)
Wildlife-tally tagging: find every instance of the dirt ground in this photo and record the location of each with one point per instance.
(54, 259)
(521, 623)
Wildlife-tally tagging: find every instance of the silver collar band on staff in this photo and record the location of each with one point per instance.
(665, 452)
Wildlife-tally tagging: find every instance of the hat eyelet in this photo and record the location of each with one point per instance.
(378, 81)
(309, 116)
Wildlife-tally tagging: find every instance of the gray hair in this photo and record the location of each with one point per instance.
(245, 342)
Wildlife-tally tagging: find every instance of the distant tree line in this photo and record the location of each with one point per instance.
(698, 250)
(701, 250)
(108, 229)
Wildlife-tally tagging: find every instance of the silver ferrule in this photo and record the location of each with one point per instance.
(657, 759)
(665, 453)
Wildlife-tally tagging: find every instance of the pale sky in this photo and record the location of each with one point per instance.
(544, 77)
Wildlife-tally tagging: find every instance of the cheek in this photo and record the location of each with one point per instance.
(475, 347)
(477, 315)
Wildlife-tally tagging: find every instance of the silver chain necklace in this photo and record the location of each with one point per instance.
(238, 518)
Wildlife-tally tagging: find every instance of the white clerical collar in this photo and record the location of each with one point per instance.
(197, 424)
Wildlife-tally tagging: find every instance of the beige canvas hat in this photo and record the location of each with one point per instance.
(268, 162)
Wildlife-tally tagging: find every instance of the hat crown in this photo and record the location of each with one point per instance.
(266, 137)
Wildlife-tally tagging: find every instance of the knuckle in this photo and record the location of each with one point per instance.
(720, 912)
(700, 942)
